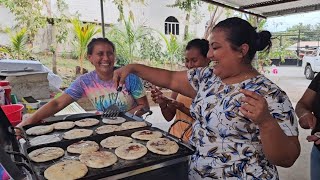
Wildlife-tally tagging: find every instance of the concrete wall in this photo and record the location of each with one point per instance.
(6, 20)
(152, 14)
(89, 11)
(35, 85)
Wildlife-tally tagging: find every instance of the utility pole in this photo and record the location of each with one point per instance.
(298, 46)
(280, 43)
(102, 19)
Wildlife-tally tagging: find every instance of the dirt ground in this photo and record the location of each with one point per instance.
(293, 82)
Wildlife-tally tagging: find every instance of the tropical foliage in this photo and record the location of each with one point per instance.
(27, 15)
(83, 34)
(120, 5)
(57, 25)
(308, 32)
(174, 49)
(151, 48)
(18, 42)
(126, 37)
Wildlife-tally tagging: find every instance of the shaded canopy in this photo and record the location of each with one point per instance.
(269, 8)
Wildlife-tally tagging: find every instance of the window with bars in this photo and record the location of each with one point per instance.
(171, 26)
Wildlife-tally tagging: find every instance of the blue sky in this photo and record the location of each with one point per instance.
(276, 24)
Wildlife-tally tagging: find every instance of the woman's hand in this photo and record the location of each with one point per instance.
(119, 75)
(176, 104)
(255, 107)
(314, 138)
(18, 133)
(307, 121)
(157, 96)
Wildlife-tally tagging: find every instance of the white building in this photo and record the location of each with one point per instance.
(154, 14)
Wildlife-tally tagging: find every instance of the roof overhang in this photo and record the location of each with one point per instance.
(269, 8)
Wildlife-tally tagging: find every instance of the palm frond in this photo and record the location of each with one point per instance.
(83, 34)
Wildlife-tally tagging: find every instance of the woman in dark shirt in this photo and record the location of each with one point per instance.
(308, 111)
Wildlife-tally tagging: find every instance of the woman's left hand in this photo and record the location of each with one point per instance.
(254, 107)
(313, 138)
(176, 104)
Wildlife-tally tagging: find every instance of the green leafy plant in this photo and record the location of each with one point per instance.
(281, 52)
(83, 34)
(151, 48)
(17, 48)
(126, 37)
(173, 48)
(121, 3)
(27, 14)
(57, 25)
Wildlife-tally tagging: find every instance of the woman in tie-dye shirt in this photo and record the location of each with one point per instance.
(97, 86)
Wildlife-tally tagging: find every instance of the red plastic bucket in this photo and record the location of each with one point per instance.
(13, 112)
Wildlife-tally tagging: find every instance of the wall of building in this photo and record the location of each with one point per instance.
(6, 20)
(153, 14)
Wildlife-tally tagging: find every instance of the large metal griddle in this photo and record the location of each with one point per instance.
(123, 168)
(151, 166)
(76, 117)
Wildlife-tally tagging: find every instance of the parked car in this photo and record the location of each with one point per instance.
(311, 63)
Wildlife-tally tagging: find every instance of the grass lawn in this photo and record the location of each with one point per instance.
(66, 67)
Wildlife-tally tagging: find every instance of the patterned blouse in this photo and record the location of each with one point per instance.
(228, 144)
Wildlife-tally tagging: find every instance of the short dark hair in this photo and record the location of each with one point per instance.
(201, 44)
(95, 41)
(239, 31)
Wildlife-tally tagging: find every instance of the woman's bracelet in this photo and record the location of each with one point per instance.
(305, 114)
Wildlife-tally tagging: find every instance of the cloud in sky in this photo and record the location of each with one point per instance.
(276, 24)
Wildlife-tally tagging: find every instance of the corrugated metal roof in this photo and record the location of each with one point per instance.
(270, 8)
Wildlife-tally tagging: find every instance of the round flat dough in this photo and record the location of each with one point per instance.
(83, 147)
(162, 146)
(77, 133)
(99, 159)
(44, 139)
(115, 141)
(63, 125)
(69, 169)
(131, 151)
(133, 124)
(39, 130)
(108, 129)
(146, 135)
(46, 154)
(87, 122)
(118, 120)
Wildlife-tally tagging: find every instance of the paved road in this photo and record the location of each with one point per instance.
(293, 82)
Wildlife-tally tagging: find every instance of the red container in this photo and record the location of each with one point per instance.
(13, 112)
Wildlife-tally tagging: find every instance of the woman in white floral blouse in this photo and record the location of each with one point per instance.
(245, 124)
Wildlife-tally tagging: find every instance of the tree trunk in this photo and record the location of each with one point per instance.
(186, 27)
(212, 22)
(52, 45)
(54, 62)
(81, 64)
(78, 71)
